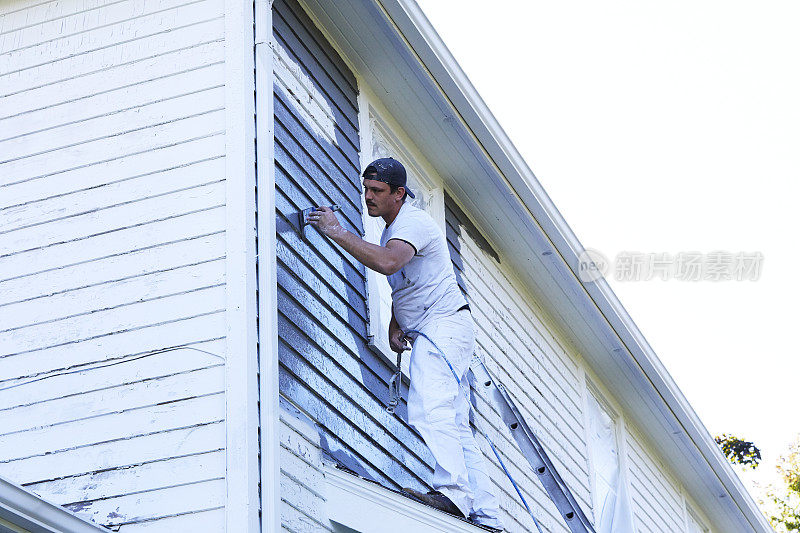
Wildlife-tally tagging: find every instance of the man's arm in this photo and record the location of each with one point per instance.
(383, 259)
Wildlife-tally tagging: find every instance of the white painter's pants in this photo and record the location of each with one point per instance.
(439, 410)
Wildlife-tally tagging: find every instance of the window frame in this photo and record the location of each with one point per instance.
(620, 433)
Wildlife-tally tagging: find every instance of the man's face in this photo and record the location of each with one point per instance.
(379, 198)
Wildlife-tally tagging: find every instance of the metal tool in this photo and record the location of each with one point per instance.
(396, 382)
(394, 386)
(302, 217)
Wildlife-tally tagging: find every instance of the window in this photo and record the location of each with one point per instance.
(612, 512)
(380, 139)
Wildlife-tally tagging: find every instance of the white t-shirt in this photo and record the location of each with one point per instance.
(426, 286)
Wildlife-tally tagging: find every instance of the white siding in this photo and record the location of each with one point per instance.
(112, 245)
(527, 357)
(657, 504)
(302, 479)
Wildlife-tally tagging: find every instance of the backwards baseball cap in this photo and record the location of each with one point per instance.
(388, 170)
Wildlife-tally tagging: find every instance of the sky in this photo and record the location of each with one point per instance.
(666, 127)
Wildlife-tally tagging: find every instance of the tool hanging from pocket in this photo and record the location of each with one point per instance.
(394, 386)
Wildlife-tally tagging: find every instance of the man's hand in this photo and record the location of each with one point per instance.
(397, 339)
(325, 221)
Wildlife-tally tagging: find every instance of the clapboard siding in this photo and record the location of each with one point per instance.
(112, 246)
(526, 357)
(136, 479)
(120, 454)
(302, 478)
(182, 153)
(185, 253)
(657, 503)
(326, 368)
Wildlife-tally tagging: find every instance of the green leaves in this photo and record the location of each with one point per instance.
(786, 514)
(739, 451)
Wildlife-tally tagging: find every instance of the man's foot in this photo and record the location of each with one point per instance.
(435, 499)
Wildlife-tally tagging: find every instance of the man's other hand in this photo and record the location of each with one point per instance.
(397, 339)
(325, 221)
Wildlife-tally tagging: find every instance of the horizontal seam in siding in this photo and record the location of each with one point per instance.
(145, 151)
(118, 134)
(122, 467)
(113, 307)
(120, 359)
(111, 333)
(103, 498)
(121, 439)
(115, 111)
(116, 386)
(110, 256)
(112, 206)
(114, 230)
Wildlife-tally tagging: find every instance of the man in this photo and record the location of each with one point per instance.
(413, 254)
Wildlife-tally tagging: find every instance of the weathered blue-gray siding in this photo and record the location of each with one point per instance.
(326, 367)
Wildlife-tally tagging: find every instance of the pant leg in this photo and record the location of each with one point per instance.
(485, 509)
(432, 409)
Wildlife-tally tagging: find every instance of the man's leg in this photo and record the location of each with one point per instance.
(431, 410)
(485, 509)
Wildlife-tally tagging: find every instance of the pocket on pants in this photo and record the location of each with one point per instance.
(433, 387)
(456, 338)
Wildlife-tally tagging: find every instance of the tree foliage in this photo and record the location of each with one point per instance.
(738, 451)
(785, 515)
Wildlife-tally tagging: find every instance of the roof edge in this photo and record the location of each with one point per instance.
(25, 509)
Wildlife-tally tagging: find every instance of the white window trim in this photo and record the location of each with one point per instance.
(371, 114)
(368, 507)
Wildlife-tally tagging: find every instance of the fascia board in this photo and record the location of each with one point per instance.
(442, 67)
(368, 507)
(29, 511)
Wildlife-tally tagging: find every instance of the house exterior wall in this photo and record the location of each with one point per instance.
(657, 502)
(333, 387)
(113, 245)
